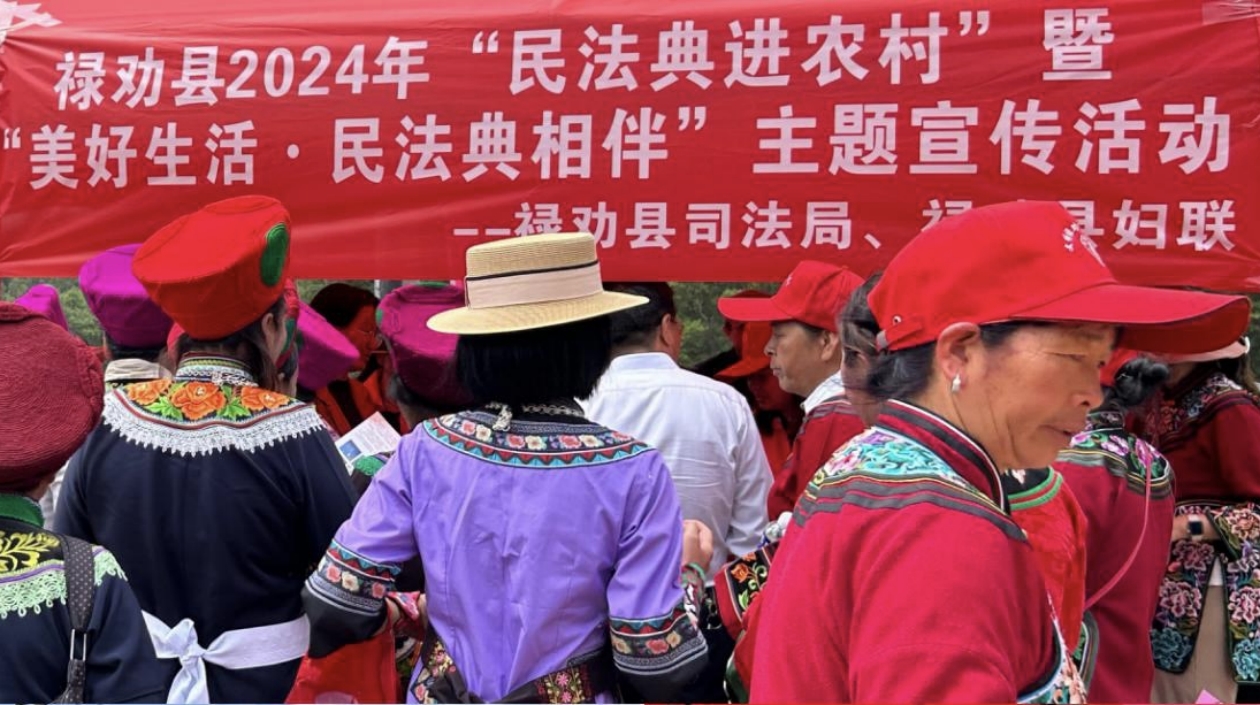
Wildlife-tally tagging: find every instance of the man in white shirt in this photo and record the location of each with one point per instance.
(703, 428)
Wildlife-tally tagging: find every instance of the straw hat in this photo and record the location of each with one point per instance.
(531, 282)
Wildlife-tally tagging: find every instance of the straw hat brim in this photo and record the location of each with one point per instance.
(522, 317)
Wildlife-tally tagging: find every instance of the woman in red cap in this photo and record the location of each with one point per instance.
(1124, 486)
(902, 567)
(804, 351)
(217, 493)
(1206, 634)
(53, 381)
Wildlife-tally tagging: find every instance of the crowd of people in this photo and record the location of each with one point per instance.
(991, 472)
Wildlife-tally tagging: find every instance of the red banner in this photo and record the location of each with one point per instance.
(698, 140)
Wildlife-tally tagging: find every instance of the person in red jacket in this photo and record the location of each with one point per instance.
(1206, 634)
(804, 352)
(1124, 486)
(902, 568)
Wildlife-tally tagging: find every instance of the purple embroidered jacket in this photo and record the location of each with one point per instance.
(540, 545)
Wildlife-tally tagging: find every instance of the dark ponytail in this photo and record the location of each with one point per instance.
(1135, 382)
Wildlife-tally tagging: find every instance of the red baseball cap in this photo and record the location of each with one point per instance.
(752, 358)
(811, 294)
(1027, 261)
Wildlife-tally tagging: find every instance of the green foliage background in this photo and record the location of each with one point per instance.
(697, 307)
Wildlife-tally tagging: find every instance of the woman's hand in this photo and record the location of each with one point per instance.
(697, 544)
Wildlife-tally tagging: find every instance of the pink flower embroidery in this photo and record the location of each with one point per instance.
(516, 442)
(1244, 605)
(378, 590)
(570, 442)
(1180, 600)
(657, 646)
(333, 573)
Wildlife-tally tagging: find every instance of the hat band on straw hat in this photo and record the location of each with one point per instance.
(533, 287)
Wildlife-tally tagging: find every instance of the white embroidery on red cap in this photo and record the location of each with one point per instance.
(1073, 234)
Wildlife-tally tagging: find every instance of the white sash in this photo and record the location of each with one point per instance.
(235, 650)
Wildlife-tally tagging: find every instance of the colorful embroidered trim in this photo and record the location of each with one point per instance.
(552, 445)
(657, 645)
(351, 581)
(1039, 494)
(31, 590)
(199, 418)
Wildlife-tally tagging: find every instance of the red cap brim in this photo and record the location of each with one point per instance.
(750, 310)
(1154, 320)
(745, 368)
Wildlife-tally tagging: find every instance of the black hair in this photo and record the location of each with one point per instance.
(858, 326)
(249, 343)
(1135, 382)
(1237, 369)
(123, 352)
(637, 326)
(535, 366)
(339, 303)
(904, 374)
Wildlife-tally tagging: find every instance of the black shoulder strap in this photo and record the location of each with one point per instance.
(80, 572)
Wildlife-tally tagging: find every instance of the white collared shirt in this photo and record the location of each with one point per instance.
(833, 386)
(707, 436)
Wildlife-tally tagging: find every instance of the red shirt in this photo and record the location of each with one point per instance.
(830, 425)
(1208, 430)
(905, 580)
(1046, 509)
(1108, 470)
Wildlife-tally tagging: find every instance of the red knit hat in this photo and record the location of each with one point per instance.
(812, 294)
(1027, 261)
(51, 394)
(218, 270)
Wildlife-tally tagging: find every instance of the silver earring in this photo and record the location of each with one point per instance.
(956, 384)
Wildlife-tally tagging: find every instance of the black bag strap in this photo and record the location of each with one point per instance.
(80, 572)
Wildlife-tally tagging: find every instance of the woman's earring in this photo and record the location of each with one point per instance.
(956, 384)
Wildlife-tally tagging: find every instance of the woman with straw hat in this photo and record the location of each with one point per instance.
(551, 546)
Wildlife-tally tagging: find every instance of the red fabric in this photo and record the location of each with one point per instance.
(358, 673)
(1125, 667)
(866, 590)
(812, 294)
(995, 251)
(1220, 460)
(327, 406)
(220, 268)
(50, 397)
(778, 446)
(752, 351)
(1057, 529)
(829, 426)
(390, 211)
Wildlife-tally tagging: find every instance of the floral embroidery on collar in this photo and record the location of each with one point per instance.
(198, 417)
(1174, 419)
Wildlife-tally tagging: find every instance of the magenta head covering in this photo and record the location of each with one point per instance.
(118, 300)
(45, 300)
(423, 359)
(324, 353)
